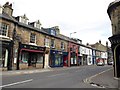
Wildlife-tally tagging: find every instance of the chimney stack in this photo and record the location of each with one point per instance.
(7, 8)
(100, 41)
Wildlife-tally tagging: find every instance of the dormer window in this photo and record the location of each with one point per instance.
(3, 29)
(53, 32)
(35, 24)
(38, 24)
(32, 38)
(23, 19)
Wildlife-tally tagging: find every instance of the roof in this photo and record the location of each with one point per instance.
(7, 17)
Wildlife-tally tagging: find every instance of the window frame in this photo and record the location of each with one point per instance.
(52, 43)
(31, 38)
(53, 32)
(47, 42)
(5, 29)
(62, 45)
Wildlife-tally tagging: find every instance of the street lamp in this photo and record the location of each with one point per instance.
(72, 33)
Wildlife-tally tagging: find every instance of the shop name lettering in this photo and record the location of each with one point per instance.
(31, 47)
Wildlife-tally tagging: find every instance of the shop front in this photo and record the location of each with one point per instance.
(58, 58)
(65, 59)
(31, 56)
(73, 59)
(6, 55)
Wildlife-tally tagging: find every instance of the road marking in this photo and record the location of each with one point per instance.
(100, 73)
(57, 74)
(16, 83)
(88, 80)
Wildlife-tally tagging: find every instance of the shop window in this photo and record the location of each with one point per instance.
(25, 57)
(3, 29)
(58, 60)
(47, 42)
(32, 38)
(40, 59)
(3, 57)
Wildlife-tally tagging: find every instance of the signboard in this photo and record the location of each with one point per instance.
(32, 47)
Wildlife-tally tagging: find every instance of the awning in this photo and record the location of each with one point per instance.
(29, 50)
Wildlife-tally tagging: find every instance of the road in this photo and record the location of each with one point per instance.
(71, 77)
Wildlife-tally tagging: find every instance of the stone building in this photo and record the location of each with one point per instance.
(26, 45)
(101, 50)
(58, 47)
(114, 15)
(6, 36)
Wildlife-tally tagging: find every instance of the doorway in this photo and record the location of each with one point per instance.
(32, 59)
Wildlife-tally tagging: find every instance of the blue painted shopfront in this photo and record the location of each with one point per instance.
(57, 58)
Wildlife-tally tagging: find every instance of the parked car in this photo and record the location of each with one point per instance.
(100, 62)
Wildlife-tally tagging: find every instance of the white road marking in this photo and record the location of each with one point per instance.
(16, 83)
(88, 80)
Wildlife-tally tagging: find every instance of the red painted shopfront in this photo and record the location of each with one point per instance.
(73, 49)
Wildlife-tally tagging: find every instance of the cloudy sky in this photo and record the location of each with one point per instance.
(88, 18)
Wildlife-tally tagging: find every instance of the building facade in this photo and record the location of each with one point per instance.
(114, 15)
(101, 51)
(27, 45)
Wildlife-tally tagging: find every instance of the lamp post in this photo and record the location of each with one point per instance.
(72, 33)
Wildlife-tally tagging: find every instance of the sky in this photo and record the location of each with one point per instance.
(88, 18)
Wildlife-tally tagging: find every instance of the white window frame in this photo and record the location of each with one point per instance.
(47, 42)
(7, 26)
(33, 42)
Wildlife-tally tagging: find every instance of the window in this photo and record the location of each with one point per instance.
(62, 45)
(25, 57)
(38, 25)
(32, 38)
(53, 43)
(3, 29)
(74, 48)
(40, 58)
(52, 32)
(47, 42)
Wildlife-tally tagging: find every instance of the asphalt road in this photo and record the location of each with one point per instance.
(57, 78)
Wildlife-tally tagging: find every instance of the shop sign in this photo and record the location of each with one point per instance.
(32, 47)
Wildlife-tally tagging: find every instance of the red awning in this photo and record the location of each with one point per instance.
(29, 50)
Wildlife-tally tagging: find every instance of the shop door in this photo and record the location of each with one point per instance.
(65, 61)
(32, 60)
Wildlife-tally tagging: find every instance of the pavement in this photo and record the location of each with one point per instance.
(104, 79)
